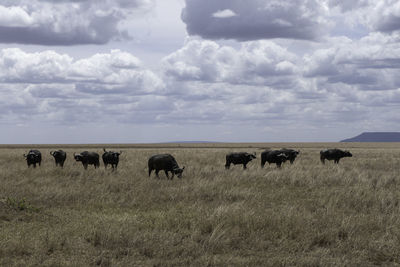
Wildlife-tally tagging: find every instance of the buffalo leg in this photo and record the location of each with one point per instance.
(323, 160)
(150, 170)
(166, 173)
(85, 166)
(244, 166)
(157, 174)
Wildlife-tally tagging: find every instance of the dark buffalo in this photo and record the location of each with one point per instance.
(88, 158)
(239, 158)
(333, 154)
(34, 156)
(290, 153)
(273, 156)
(59, 157)
(111, 157)
(165, 162)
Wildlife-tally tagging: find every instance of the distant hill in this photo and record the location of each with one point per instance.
(375, 137)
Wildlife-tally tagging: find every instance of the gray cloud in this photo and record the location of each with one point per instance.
(264, 90)
(349, 6)
(255, 19)
(370, 63)
(66, 22)
(341, 81)
(380, 16)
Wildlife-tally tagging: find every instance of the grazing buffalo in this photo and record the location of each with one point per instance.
(111, 157)
(34, 156)
(59, 157)
(273, 156)
(239, 158)
(88, 158)
(165, 162)
(333, 154)
(290, 153)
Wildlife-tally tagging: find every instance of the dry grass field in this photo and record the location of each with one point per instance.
(305, 214)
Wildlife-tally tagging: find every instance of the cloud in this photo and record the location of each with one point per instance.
(107, 73)
(370, 63)
(261, 62)
(259, 83)
(226, 13)
(66, 22)
(379, 16)
(267, 89)
(386, 16)
(255, 19)
(56, 88)
(14, 17)
(339, 81)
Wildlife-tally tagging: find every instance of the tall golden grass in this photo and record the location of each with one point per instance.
(305, 214)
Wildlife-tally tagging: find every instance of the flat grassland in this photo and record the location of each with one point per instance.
(305, 214)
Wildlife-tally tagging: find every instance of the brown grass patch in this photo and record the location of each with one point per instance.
(305, 214)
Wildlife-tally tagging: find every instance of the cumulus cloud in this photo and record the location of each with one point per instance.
(340, 81)
(380, 16)
(110, 72)
(56, 87)
(386, 16)
(275, 88)
(261, 62)
(66, 22)
(255, 19)
(370, 63)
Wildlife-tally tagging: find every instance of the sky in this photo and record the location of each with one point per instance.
(144, 71)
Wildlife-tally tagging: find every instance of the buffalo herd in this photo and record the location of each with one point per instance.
(167, 162)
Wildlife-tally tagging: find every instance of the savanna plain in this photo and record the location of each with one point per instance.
(305, 214)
